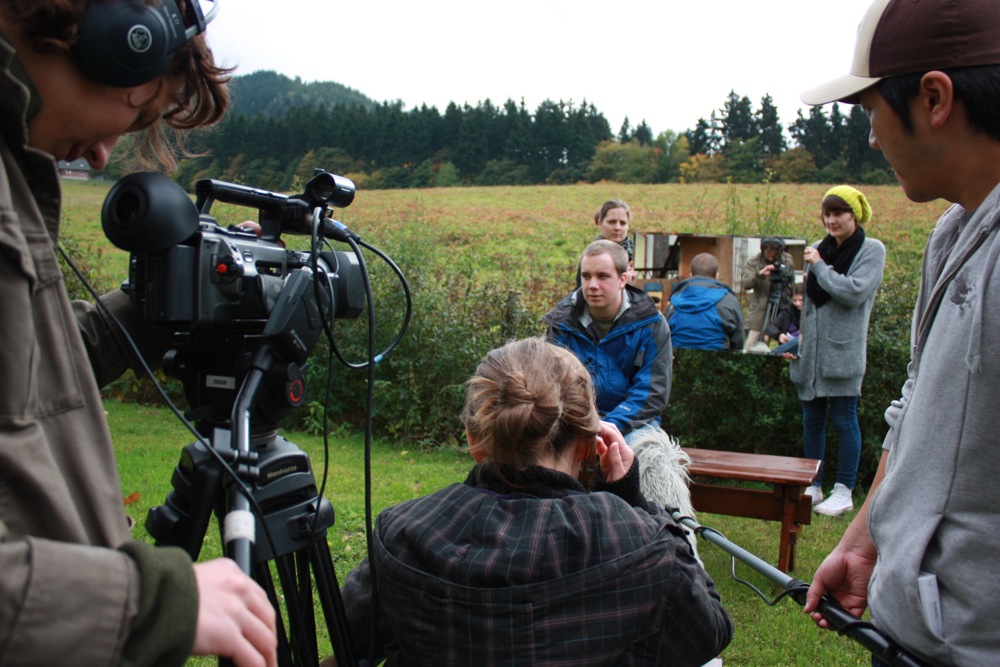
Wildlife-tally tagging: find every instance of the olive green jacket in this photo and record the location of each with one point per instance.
(74, 588)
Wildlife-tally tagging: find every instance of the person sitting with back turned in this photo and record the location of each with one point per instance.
(521, 564)
(703, 313)
(921, 552)
(75, 588)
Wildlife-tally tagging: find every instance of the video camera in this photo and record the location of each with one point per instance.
(186, 271)
(224, 292)
(781, 274)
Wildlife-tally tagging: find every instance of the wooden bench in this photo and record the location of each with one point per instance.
(785, 502)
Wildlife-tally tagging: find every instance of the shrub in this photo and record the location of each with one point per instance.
(419, 386)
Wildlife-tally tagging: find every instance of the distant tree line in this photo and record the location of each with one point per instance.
(281, 129)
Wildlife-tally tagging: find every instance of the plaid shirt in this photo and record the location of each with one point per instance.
(483, 574)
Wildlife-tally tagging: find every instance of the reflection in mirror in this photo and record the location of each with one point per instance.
(663, 260)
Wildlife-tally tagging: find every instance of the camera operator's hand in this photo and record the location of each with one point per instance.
(767, 270)
(235, 618)
(812, 255)
(251, 226)
(616, 457)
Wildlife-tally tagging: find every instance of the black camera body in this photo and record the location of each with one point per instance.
(187, 272)
(230, 279)
(224, 294)
(781, 274)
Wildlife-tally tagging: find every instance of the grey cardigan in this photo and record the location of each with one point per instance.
(831, 357)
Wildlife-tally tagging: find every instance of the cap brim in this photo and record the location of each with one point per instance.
(842, 89)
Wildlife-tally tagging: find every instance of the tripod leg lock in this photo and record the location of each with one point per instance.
(239, 525)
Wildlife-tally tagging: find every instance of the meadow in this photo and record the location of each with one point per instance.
(522, 240)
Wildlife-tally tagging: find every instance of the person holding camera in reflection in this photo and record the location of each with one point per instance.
(548, 553)
(770, 268)
(703, 313)
(75, 588)
(844, 271)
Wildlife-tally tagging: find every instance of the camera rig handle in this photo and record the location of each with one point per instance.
(278, 212)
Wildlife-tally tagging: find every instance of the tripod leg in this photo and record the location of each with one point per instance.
(262, 575)
(333, 604)
(301, 634)
(305, 597)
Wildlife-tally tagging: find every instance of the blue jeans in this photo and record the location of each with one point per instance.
(843, 411)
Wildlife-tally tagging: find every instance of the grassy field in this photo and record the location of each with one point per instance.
(501, 231)
(516, 235)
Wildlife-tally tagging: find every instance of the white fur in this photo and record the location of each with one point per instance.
(663, 474)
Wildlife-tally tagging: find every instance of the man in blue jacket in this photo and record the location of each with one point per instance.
(621, 337)
(704, 313)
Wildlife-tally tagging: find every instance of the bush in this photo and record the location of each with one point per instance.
(420, 385)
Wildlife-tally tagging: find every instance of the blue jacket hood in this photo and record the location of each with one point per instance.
(697, 294)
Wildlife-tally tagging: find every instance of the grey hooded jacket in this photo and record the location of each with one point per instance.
(937, 511)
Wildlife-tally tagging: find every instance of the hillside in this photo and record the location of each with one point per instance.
(272, 94)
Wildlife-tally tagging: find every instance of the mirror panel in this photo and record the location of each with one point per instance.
(664, 259)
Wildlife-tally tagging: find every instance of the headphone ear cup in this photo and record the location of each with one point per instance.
(126, 43)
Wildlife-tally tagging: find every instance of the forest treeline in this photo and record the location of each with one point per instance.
(281, 129)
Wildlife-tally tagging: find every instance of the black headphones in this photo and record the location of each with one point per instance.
(126, 43)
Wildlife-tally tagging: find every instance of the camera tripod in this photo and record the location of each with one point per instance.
(776, 300)
(290, 527)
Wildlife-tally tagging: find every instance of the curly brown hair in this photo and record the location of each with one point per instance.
(201, 96)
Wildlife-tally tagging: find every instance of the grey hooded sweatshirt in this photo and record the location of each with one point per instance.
(937, 512)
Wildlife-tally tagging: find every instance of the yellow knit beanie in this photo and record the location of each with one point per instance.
(855, 199)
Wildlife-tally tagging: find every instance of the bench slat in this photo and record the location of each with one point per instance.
(752, 467)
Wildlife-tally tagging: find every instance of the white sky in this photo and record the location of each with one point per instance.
(669, 62)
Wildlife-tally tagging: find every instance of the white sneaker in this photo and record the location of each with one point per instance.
(815, 492)
(840, 501)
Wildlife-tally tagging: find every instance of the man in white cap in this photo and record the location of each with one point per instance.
(921, 552)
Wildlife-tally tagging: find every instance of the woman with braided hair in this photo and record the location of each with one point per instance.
(547, 553)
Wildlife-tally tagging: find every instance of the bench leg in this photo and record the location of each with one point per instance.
(789, 528)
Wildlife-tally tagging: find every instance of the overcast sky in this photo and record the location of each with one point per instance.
(666, 61)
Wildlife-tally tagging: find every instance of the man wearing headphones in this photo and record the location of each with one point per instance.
(74, 76)
(756, 277)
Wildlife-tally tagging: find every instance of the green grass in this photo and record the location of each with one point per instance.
(148, 442)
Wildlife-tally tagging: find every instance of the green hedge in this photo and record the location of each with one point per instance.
(722, 401)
